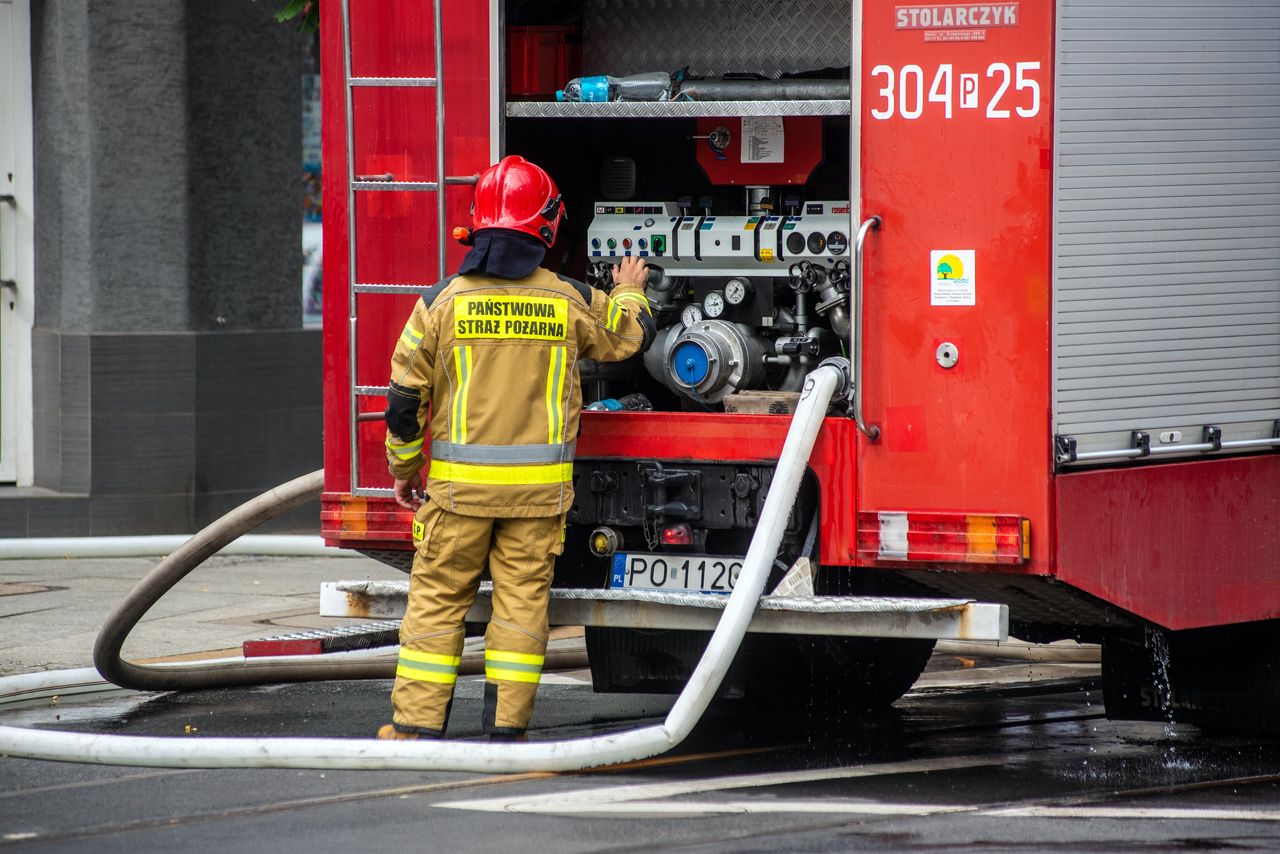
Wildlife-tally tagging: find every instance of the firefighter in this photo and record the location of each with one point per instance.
(489, 358)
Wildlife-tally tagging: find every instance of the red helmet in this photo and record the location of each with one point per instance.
(518, 195)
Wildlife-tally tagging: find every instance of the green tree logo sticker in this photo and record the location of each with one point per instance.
(949, 267)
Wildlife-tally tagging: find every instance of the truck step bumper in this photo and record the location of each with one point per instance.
(850, 616)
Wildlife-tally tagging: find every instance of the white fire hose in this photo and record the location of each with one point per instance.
(369, 754)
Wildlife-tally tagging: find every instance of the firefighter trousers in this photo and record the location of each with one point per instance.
(452, 551)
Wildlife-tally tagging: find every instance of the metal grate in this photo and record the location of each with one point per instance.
(631, 36)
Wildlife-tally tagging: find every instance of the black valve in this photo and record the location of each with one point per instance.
(744, 484)
(604, 483)
(839, 275)
(801, 345)
(600, 275)
(804, 276)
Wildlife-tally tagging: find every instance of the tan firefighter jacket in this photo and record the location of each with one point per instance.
(494, 362)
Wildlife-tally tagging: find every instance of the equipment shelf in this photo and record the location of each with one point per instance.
(672, 109)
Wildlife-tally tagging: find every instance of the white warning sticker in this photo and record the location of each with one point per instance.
(763, 139)
(953, 277)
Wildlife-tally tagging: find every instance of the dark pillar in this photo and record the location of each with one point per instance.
(172, 378)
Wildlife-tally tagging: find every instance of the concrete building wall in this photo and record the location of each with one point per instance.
(172, 379)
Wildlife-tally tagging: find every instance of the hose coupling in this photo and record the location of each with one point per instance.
(841, 364)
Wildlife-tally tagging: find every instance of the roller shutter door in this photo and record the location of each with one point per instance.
(1167, 221)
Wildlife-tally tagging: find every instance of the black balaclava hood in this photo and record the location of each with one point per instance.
(503, 253)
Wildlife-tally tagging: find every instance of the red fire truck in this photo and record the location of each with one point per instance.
(1044, 235)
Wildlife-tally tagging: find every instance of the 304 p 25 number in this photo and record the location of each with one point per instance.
(904, 93)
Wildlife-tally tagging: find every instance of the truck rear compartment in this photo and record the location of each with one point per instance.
(1113, 352)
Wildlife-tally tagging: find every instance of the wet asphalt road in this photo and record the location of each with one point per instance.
(1018, 767)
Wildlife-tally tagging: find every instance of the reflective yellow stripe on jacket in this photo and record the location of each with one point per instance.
(501, 475)
(614, 315)
(411, 336)
(404, 450)
(638, 298)
(512, 666)
(555, 394)
(462, 362)
(503, 454)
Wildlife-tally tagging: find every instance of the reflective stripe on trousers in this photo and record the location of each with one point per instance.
(428, 666)
(512, 666)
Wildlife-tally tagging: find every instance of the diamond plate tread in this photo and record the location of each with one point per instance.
(672, 109)
(622, 37)
(816, 605)
(339, 631)
(336, 639)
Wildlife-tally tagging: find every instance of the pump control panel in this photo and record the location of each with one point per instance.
(741, 301)
(701, 243)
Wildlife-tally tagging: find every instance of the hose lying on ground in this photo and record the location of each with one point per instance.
(275, 545)
(368, 754)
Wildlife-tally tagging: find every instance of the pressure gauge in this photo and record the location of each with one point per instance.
(736, 291)
(713, 305)
(691, 315)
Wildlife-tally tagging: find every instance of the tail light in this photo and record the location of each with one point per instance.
(677, 535)
(944, 537)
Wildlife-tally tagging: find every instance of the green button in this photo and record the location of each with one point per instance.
(611, 243)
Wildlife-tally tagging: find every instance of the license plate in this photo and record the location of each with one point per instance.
(683, 573)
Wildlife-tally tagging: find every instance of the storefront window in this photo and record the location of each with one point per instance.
(311, 210)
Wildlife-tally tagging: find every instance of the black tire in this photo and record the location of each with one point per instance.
(832, 677)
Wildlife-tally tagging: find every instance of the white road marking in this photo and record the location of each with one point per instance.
(694, 809)
(657, 800)
(562, 805)
(613, 796)
(1191, 813)
(564, 679)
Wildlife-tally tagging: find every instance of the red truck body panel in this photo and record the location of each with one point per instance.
(973, 438)
(1185, 545)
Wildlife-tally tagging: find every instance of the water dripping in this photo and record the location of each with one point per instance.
(1158, 644)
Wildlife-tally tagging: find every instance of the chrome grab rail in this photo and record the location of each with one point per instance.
(442, 223)
(871, 431)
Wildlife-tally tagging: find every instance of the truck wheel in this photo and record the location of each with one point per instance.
(833, 676)
(1223, 677)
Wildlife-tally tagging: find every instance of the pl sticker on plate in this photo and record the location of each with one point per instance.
(953, 277)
